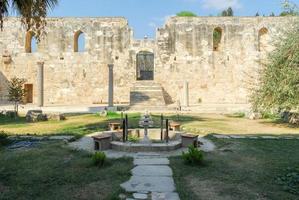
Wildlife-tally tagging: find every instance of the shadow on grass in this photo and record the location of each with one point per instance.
(61, 173)
(279, 122)
(8, 120)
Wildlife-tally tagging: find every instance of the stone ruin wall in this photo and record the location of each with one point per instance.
(71, 77)
(183, 52)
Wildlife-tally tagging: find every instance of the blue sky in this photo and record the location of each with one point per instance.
(146, 15)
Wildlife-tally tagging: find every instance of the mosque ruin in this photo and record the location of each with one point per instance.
(193, 61)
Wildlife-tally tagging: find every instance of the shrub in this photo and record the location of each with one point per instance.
(193, 156)
(186, 14)
(133, 138)
(237, 115)
(99, 159)
(270, 115)
(3, 138)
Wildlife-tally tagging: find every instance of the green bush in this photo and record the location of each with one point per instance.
(270, 115)
(193, 156)
(99, 159)
(133, 138)
(237, 115)
(186, 14)
(3, 138)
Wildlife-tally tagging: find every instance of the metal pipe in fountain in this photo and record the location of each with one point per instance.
(124, 130)
(167, 128)
(127, 126)
(162, 126)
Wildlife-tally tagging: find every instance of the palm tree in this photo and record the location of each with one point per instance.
(32, 12)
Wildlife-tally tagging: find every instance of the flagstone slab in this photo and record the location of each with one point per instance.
(152, 170)
(152, 161)
(149, 183)
(165, 196)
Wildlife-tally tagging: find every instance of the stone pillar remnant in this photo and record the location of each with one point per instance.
(186, 94)
(110, 86)
(40, 84)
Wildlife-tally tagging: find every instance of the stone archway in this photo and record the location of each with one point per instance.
(145, 65)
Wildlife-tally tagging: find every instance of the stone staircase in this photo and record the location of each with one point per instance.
(147, 94)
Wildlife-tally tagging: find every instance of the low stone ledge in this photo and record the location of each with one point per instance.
(137, 147)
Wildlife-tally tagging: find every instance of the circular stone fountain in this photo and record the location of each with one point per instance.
(149, 138)
(146, 122)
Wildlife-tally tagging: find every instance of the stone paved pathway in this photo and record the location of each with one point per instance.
(281, 137)
(151, 178)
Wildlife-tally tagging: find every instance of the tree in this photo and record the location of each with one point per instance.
(16, 92)
(272, 14)
(227, 13)
(279, 79)
(33, 13)
(257, 14)
(289, 9)
(230, 12)
(186, 14)
(224, 13)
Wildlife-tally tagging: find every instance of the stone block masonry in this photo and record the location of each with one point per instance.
(184, 52)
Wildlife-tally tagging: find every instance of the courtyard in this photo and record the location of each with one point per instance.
(159, 100)
(249, 160)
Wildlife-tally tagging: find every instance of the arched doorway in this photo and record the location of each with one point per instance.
(145, 65)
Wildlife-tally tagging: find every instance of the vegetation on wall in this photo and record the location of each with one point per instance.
(279, 79)
(217, 35)
(186, 14)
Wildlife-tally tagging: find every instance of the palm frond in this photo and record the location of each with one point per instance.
(4, 5)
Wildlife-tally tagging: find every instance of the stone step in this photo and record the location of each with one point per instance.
(146, 83)
(147, 93)
(143, 107)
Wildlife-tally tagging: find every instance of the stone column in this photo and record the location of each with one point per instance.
(186, 94)
(40, 84)
(110, 86)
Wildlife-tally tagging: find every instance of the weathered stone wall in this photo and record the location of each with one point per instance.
(183, 52)
(72, 77)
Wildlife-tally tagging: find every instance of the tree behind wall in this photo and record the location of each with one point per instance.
(228, 12)
(16, 92)
(186, 14)
(289, 9)
(279, 81)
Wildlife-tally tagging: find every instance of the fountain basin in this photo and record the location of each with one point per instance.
(154, 135)
(153, 147)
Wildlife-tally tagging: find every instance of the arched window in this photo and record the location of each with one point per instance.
(217, 37)
(263, 40)
(79, 42)
(30, 43)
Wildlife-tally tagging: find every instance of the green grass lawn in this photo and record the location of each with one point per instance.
(239, 169)
(52, 171)
(195, 123)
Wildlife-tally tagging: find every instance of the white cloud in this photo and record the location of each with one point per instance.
(221, 4)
